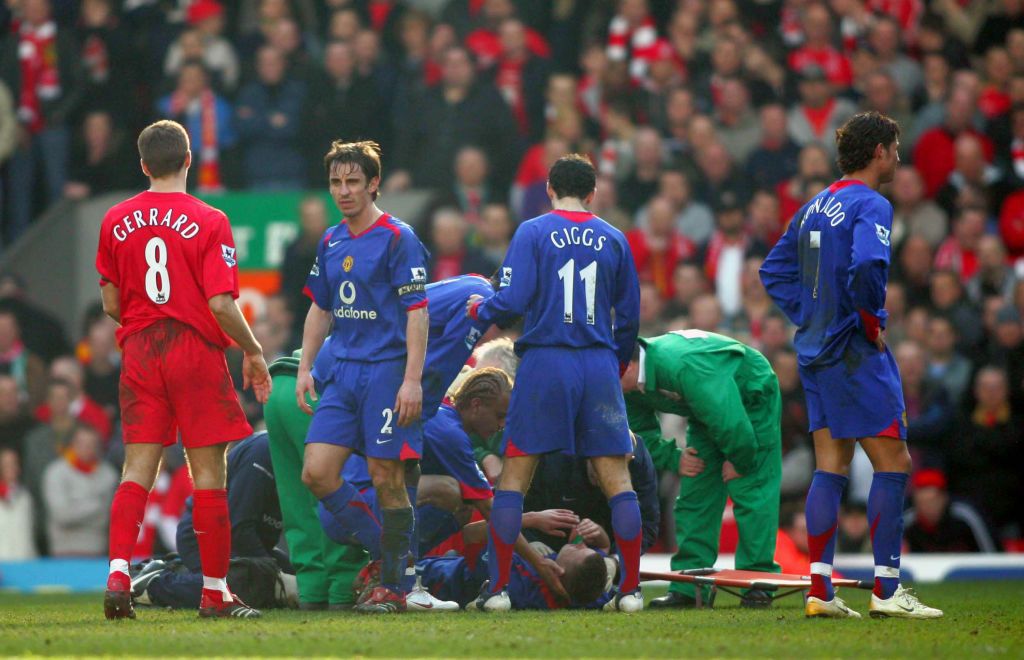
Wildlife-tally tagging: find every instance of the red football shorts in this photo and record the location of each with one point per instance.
(173, 380)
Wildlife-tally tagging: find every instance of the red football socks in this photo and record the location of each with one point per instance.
(212, 525)
(126, 514)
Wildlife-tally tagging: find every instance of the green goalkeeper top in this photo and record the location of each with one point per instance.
(710, 379)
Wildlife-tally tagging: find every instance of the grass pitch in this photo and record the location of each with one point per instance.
(983, 619)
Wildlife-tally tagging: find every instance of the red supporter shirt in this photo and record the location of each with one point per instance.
(168, 254)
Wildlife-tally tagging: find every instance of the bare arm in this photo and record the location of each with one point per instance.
(111, 301)
(409, 402)
(318, 323)
(254, 367)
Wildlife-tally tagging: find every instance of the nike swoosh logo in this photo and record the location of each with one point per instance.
(384, 442)
(426, 606)
(894, 558)
(333, 243)
(905, 609)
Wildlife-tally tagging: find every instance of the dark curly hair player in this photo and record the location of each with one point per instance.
(828, 274)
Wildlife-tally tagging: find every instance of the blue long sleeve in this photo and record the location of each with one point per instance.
(780, 272)
(869, 264)
(627, 307)
(518, 282)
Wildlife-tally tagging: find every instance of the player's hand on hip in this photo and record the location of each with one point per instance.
(551, 573)
(304, 385)
(689, 464)
(554, 522)
(729, 472)
(409, 402)
(880, 342)
(256, 374)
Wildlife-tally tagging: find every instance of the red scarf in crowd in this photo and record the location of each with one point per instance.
(209, 154)
(40, 79)
(5, 490)
(1017, 156)
(85, 467)
(718, 243)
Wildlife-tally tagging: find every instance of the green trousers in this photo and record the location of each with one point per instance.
(755, 497)
(324, 570)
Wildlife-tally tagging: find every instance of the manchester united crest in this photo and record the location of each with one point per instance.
(348, 263)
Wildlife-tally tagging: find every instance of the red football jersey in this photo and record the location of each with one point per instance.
(168, 254)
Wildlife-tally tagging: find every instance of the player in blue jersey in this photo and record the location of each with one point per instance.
(828, 274)
(460, 578)
(571, 276)
(368, 287)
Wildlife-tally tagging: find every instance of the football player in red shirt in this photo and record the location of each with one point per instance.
(169, 276)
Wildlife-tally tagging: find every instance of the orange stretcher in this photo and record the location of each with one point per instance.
(729, 580)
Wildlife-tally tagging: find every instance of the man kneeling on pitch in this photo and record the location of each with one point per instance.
(730, 397)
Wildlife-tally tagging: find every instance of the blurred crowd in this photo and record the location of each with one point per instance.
(711, 122)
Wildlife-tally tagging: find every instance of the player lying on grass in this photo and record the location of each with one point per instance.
(478, 407)
(729, 395)
(828, 274)
(570, 483)
(169, 276)
(255, 532)
(586, 574)
(568, 273)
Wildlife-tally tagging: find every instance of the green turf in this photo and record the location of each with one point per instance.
(982, 619)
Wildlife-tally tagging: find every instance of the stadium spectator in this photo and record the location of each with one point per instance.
(345, 106)
(447, 119)
(494, 233)
(470, 191)
(854, 533)
(15, 422)
(1008, 16)
(971, 169)
(107, 55)
(101, 359)
(929, 410)
(269, 112)
(946, 366)
(299, 258)
(914, 269)
(451, 254)
(959, 252)
(933, 152)
(735, 121)
(77, 489)
(819, 113)
(658, 247)
(994, 276)
(725, 252)
(693, 219)
(42, 68)
(204, 40)
(775, 159)
(935, 523)
(102, 160)
(818, 51)
(85, 411)
(720, 177)
(208, 118)
(984, 459)
(632, 37)
(913, 214)
(520, 74)
(882, 94)
(947, 298)
(884, 40)
(813, 162)
(1006, 348)
(18, 361)
(17, 542)
(640, 181)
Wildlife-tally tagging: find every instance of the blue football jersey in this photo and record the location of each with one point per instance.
(828, 272)
(369, 281)
(448, 451)
(565, 273)
(453, 335)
